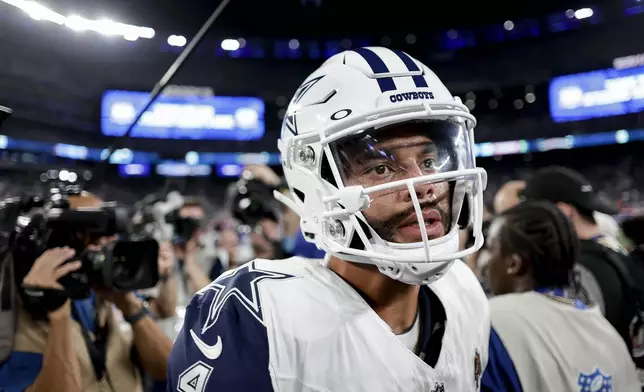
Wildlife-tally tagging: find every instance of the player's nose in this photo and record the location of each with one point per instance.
(424, 190)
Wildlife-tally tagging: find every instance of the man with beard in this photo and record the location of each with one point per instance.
(378, 156)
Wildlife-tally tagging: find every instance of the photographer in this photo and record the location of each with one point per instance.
(180, 268)
(227, 247)
(69, 345)
(277, 232)
(163, 304)
(187, 246)
(252, 205)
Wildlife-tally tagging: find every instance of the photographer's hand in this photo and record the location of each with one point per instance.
(165, 304)
(152, 345)
(46, 271)
(197, 279)
(264, 174)
(50, 267)
(166, 260)
(60, 368)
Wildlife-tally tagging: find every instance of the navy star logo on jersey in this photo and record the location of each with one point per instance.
(240, 284)
(304, 88)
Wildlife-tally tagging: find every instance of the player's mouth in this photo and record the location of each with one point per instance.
(409, 229)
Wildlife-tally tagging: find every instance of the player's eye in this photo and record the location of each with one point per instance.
(380, 170)
(429, 164)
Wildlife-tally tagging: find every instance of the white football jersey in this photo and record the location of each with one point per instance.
(295, 325)
(555, 346)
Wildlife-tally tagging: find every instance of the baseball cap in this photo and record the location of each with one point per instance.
(561, 184)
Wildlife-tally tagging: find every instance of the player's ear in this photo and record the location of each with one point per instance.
(516, 265)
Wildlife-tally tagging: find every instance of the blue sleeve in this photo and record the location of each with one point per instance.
(223, 345)
(500, 374)
(306, 249)
(19, 371)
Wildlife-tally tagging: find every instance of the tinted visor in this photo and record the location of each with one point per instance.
(401, 152)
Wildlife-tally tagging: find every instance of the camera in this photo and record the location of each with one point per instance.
(151, 214)
(252, 201)
(158, 215)
(45, 222)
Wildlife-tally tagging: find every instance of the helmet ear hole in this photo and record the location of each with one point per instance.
(464, 216)
(356, 241)
(300, 195)
(325, 171)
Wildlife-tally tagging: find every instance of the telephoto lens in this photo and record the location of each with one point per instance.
(123, 265)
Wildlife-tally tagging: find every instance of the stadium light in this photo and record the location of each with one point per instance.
(192, 158)
(77, 23)
(177, 40)
(40, 12)
(584, 13)
(109, 28)
(230, 45)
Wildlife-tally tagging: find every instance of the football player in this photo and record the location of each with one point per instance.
(378, 157)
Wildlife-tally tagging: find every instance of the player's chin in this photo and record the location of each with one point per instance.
(411, 233)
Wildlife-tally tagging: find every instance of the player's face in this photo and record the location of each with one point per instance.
(398, 153)
(497, 270)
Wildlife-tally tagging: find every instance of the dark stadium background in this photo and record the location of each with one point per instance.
(54, 77)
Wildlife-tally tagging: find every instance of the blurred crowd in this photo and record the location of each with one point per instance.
(196, 244)
(407, 238)
(205, 241)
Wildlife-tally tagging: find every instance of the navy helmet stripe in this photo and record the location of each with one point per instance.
(378, 67)
(419, 80)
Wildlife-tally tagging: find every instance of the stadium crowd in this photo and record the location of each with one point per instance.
(382, 248)
(206, 241)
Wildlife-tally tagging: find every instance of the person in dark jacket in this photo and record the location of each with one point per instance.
(602, 259)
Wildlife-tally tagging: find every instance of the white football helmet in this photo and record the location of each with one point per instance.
(340, 120)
